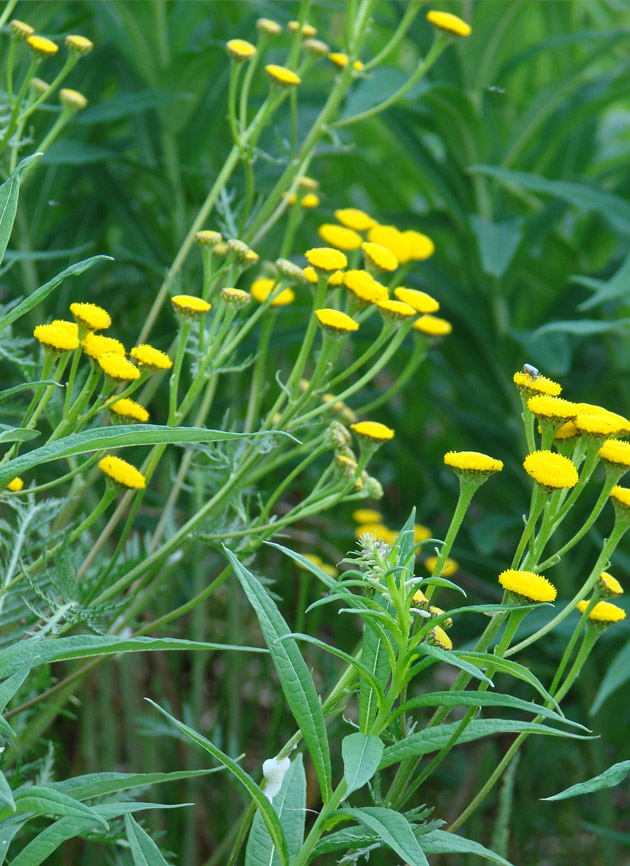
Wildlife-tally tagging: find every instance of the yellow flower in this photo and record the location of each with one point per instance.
(235, 297)
(396, 310)
(379, 257)
(95, 345)
(15, 485)
(336, 279)
(55, 338)
(433, 326)
(393, 240)
(122, 473)
(311, 275)
(316, 48)
(154, 359)
(208, 238)
(472, 461)
(553, 409)
(129, 410)
(326, 259)
(337, 322)
(420, 600)
(72, 99)
(308, 31)
(621, 496)
(530, 586)
(190, 306)
(41, 46)
(438, 637)
(239, 49)
(419, 301)
(364, 287)
(567, 431)
(597, 425)
(551, 470)
(268, 27)
(91, 316)
(70, 327)
(539, 385)
(340, 60)
(20, 30)
(375, 530)
(262, 288)
(78, 44)
(305, 182)
(308, 201)
(437, 611)
(340, 238)
(367, 515)
(282, 76)
(373, 430)
(450, 23)
(603, 611)
(616, 452)
(117, 368)
(608, 585)
(422, 247)
(355, 219)
(449, 567)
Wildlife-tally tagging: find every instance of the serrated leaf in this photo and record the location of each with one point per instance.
(441, 842)
(393, 829)
(289, 804)
(361, 755)
(608, 779)
(9, 194)
(295, 678)
(143, 849)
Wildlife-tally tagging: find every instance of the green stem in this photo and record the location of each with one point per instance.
(416, 358)
(405, 23)
(177, 370)
(467, 489)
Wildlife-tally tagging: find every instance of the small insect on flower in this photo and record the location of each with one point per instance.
(531, 371)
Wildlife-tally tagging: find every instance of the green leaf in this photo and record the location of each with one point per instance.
(10, 686)
(18, 434)
(255, 792)
(606, 290)
(6, 795)
(374, 658)
(143, 849)
(404, 543)
(9, 194)
(46, 843)
(289, 804)
(125, 104)
(46, 801)
(433, 739)
(394, 830)
(102, 784)
(315, 569)
(515, 669)
(10, 828)
(616, 676)
(452, 658)
(583, 327)
(608, 779)
(295, 679)
(441, 842)
(123, 436)
(362, 755)
(43, 291)
(497, 243)
(27, 386)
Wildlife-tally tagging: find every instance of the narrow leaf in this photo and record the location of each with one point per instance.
(18, 434)
(44, 801)
(9, 194)
(455, 659)
(6, 795)
(608, 779)
(103, 784)
(143, 849)
(441, 842)
(394, 830)
(289, 804)
(374, 658)
(362, 755)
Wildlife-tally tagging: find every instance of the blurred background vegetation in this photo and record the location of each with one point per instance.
(513, 156)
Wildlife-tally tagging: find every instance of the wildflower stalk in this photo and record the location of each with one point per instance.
(15, 113)
(258, 374)
(416, 358)
(387, 330)
(537, 504)
(467, 489)
(405, 23)
(177, 370)
(6, 12)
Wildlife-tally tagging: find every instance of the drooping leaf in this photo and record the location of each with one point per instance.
(394, 830)
(362, 755)
(508, 666)
(608, 779)
(289, 804)
(41, 800)
(452, 658)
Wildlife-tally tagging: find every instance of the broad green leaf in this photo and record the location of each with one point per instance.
(27, 386)
(507, 666)
(46, 801)
(433, 739)
(9, 194)
(441, 842)
(143, 849)
(103, 784)
(362, 755)
(393, 829)
(18, 434)
(10, 828)
(289, 804)
(608, 779)
(43, 291)
(616, 676)
(255, 791)
(123, 436)
(295, 678)
(374, 658)
(6, 795)
(497, 243)
(452, 658)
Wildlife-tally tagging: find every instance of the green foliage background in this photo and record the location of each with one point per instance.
(513, 157)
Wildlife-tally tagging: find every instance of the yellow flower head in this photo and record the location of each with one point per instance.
(72, 99)
(263, 287)
(551, 470)
(539, 385)
(621, 499)
(603, 612)
(437, 611)
(367, 515)
(70, 327)
(208, 238)
(20, 30)
(189, 306)
(282, 76)
(239, 49)
(396, 310)
(129, 410)
(336, 322)
(438, 637)
(530, 586)
(316, 48)
(449, 23)
(449, 567)
(420, 600)
(308, 31)
(608, 585)
(117, 368)
(472, 462)
(42, 47)
(122, 473)
(355, 219)
(421, 246)
(78, 44)
(336, 279)
(268, 27)
(309, 200)
(154, 359)
(311, 275)
(90, 316)
(326, 259)
(395, 241)
(364, 287)
(433, 326)
(617, 452)
(15, 485)
(373, 431)
(419, 301)
(235, 297)
(379, 257)
(597, 425)
(567, 431)
(553, 409)
(95, 345)
(340, 238)
(55, 338)
(340, 60)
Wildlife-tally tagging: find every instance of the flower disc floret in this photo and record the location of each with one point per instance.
(263, 287)
(148, 356)
(69, 327)
(20, 30)
(326, 259)
(129, 410)
(117, 368)
(72, 99)
(282, 76)
(379, 257)
(393, 240)
(316, 47)
(91, 316)
(95, 345)
(433, 326)
(340, 237)
(597, 425)
(449, 23)
(621, 496)
(122, 473)
(340, 60)
(336, 322)
(422, 247)
(208, 238)
(539, 385)
(527, 585)
(396, 310)
(567, 431)
(235, 297)
(552, 408)
(355, 219)
(617, 452)
(603, 612)
(608, 585)
(551, 470)
(190, 305)
(240, 49)
(373, 430)
(472, 461)
(268, 27)
(41, 46)
(308, 31)
(55, 338)
(78, 44)
(421, 302)
(438, 637)
(364, 287)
